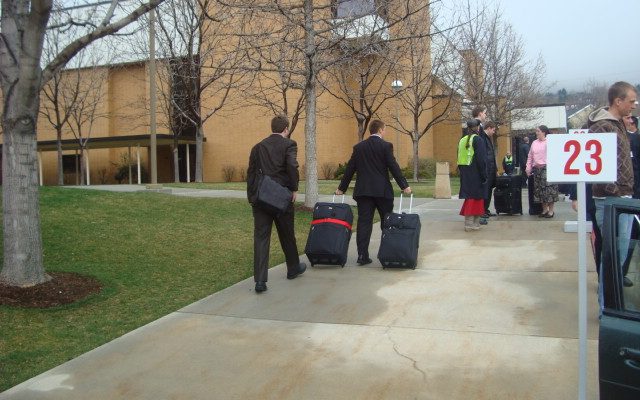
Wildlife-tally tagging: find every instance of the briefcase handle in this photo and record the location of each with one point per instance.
(410, 204)
(334, 198)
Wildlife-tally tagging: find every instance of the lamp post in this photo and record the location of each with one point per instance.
(396, 86)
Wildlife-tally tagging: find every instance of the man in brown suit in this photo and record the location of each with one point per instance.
(274, 156)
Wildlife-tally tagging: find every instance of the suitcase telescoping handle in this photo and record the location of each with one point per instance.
(410, 204)
(334, 198)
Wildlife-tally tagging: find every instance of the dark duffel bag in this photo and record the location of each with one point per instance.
(330, 233)
(400, 239)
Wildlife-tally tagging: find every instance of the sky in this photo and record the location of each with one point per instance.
(579, 39)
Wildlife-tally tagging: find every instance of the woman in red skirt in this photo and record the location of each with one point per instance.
(472, 164)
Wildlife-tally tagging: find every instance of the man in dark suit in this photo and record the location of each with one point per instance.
(372, 159)
(274, 156)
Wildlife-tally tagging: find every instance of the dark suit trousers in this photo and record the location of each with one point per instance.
(262, 224)
(366, 207)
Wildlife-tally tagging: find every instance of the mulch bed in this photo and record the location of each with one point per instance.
(63, 288)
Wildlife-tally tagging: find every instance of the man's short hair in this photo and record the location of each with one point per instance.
(279, 123)
(619, 90)
(375, 126)
(634, 119)
(490, 125)
(477, 110)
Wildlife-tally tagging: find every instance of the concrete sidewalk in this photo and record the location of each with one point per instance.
(486, 315)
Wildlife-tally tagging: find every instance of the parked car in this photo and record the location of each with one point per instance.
(619, 343)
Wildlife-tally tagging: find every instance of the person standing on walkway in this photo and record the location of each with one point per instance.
(543, 192)
(492, 167)
(507, 163)
(523, 154)
(472, 160)
(622, 98)
(275, 156)
(372, 159)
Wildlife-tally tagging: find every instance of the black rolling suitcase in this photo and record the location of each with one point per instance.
(507, 196)
(328, 240)
(534, 208)
(400, 239)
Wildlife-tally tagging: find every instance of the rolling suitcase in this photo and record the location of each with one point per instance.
(400, 239)
(507, 196)
(330, 233)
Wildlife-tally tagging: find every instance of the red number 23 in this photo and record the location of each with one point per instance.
(594, 148)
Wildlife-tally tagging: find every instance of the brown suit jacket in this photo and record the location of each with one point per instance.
(275, 156)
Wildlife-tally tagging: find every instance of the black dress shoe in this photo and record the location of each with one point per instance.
(301, 268)
(490, 214)
(364, 260)
(627, 282)
(549, 215)
(261, 287)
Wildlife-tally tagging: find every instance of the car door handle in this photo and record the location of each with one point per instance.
(631, 357)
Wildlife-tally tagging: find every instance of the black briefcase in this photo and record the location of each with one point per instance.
(272, 196)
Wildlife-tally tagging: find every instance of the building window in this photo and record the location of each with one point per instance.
(358, 8)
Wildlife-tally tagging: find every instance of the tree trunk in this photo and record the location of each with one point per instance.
(311, 163)
(83, 168)
(22, 260)
(416, 157)
(59, 147)
(199, 137)
(360, 131)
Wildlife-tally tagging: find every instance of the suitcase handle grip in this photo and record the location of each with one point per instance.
(333, 200)
(410, 204)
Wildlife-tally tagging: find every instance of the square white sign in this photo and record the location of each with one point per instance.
(590, 157)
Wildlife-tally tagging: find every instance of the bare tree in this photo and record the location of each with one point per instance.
(58, 105)
(432, 86)
(363, 84)
(277, 87)
(595, 93)
(496, 71)
(202, 63)
(317, 30)
(23, 26)
(87, 98)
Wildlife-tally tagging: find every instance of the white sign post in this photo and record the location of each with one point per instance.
(582, 158)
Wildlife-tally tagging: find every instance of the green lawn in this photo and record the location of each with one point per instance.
(154, 253)
(420, 189)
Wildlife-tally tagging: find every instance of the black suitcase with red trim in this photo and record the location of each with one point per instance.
(330, 233)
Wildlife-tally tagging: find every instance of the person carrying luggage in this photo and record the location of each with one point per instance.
(472, 165)
(372, 159)
(274, 156)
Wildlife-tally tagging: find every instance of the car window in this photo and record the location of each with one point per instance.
(628, 245)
